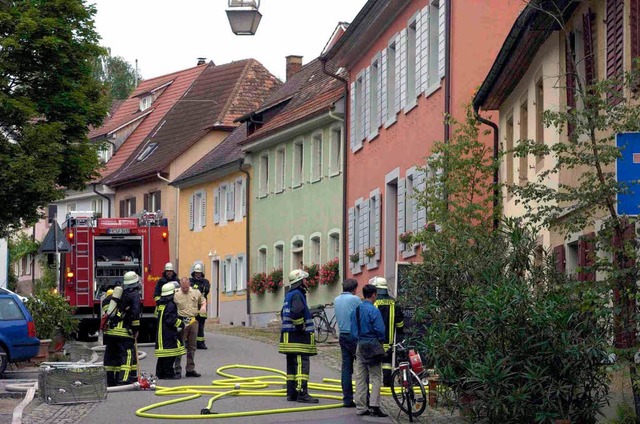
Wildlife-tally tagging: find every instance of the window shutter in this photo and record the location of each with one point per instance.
(145, 202)
(588, 24)
(366, 121)
(419, 184)
(570, 81)
(401, 226)
(418, 54)
(398, 83)
(350, 219)
(203, 208)
(424, 35)
(364, 236)
(216, 205)
(122, 207)
(634, 23)
(231, 202)
(133, 206)
(352, 119)
(158, 200)
(243, 196)
(223, 275)
(615, 40)
(191, 220)
(403, 68)
(560, 258)
(377, 229)
(586, 257)
(234, 274)
(383, 86)
(442, 29)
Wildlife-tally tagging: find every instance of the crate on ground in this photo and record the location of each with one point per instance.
(72, 383)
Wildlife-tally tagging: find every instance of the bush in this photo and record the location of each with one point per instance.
(51, 315)
(517, 338)
(329, 272)
(314, 274)
(257, 284)
(273, 281)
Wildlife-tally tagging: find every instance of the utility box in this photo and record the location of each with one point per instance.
(628, 172)
(70, 383)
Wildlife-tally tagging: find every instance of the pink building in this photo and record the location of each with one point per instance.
(409, 63)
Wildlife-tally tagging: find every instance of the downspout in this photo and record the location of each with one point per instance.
(447, 90)
(247, 257)
(104, 196)
(344, 161)
(496, 178)
(177, 262)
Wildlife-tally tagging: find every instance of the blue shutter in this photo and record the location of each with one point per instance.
(418, 54)
(191, 215)
(403, 68)
(424, 52)
(366, 222)
(203, 207)
(383, 87)
(401, 207)
(441, 39)
(234, 274)
(216, 205)
(398, 83)
(352, 118)
(377, 230)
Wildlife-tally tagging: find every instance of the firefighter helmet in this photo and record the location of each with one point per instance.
(198, 268)
(109, 292)
(168, 289)
(379, 282)
(168, 266)
(295, 276)
(130, 279)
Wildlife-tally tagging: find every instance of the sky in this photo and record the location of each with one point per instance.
(167, 36)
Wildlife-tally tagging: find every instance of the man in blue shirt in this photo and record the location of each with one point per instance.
(367, 325)
(345, 304)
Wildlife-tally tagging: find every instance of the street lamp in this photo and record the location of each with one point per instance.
(244, 16)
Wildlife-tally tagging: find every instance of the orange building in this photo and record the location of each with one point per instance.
(409, 64)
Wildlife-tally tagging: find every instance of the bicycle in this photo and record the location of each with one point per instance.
(323, 325)
(407, 388)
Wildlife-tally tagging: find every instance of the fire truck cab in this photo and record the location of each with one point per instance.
(102, 251)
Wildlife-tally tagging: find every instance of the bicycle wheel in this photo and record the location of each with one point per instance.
(322, 328)
(410, 398)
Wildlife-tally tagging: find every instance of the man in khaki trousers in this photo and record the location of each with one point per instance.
(190, 302)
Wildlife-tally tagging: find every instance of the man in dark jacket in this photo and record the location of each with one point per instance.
(297, 339)
(123, 326)
(200, 283)
(168, 275)
(168, 345)
(393, 319)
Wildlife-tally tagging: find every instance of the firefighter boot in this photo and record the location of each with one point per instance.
(303, 395)
(292, 394)
(201, 345)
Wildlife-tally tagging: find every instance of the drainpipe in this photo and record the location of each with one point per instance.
(247, 257)
(496, 178)
(104, 196)
(447, 89)
(177, 262)
(344, 161)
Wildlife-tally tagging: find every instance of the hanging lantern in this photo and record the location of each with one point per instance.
(244, 16)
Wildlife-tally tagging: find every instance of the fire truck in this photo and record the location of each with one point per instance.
(102, 251)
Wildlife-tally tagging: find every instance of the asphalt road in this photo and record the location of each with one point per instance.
(120, 408)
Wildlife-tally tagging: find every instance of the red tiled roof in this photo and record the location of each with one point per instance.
(182, 80)
(219, 95)
(310, 91)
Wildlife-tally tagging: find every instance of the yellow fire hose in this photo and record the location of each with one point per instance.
(232, 385)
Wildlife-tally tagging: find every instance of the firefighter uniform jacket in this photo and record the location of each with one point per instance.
(298, 332)
(202, 285)
(161, 282)
(167, 340)
(391, 315)
(125, 322)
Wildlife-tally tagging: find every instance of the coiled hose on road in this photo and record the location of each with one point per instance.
(233, 385)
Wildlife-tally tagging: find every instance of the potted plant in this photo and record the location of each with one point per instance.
(257, 283)
(313, 271)
(355, 258)
(53, 319)
(370, 252)
(329, 272)
(274, 280)
(406, 237)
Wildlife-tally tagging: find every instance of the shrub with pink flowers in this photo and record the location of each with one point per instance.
(274, 280)
(257, 284)
(312, 270)
(329, 272)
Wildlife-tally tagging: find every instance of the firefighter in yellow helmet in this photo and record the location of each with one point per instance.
(168, 275)
(200, 283)
(297, 338)
(393, 318)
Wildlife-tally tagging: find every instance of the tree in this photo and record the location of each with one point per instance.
(48, 101)
(118, 75)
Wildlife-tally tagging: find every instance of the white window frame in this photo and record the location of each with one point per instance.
(128, 206)
(336, 150)
(72, 207)
(297, 175)
(153, 201)
(316, 157)
(297, 249)
(198, 198)
(228, 282)
(263, 181)
(315, 249)
(278, 255)
(241, 281)
(333, 246)
(145, 102)
(223, 204)
(29, 258)
(97, 205)
(280, 172)
(433, 78)
(262, 259)
(237, 198)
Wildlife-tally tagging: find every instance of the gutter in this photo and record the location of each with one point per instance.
(247, 236)
(447, 90)
(343, 237)
(93, 185)
(496, 177)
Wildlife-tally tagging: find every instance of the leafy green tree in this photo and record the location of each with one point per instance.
(48, 101)
(118, 75)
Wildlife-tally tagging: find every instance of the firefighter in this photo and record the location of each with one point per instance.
(168, 275)
(168, 345)
(297, 338)
(105, 307)
(122, 332)
(200, 283)
(393, 323)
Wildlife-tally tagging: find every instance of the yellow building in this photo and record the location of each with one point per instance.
(212, 228)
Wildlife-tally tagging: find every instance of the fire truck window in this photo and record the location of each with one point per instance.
(118, 250)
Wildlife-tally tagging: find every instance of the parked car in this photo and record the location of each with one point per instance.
(18, 341)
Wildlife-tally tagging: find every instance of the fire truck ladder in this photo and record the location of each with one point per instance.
(83, 261)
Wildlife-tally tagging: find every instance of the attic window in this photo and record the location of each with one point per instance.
(151, 147)
(145, 102)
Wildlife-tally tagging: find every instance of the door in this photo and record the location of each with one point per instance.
(214, 297)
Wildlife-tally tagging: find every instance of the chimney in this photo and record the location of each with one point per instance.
(202, 61)
(294, 64)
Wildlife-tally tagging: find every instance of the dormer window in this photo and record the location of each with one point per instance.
(147, 151)
(145, 102)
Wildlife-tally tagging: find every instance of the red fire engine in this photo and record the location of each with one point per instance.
(102, 251)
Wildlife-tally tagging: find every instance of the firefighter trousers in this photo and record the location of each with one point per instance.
(200, 339)
(297, 374)
(119, 360)
(164, 367)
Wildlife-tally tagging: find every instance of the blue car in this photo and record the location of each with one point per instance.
(18, 340)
